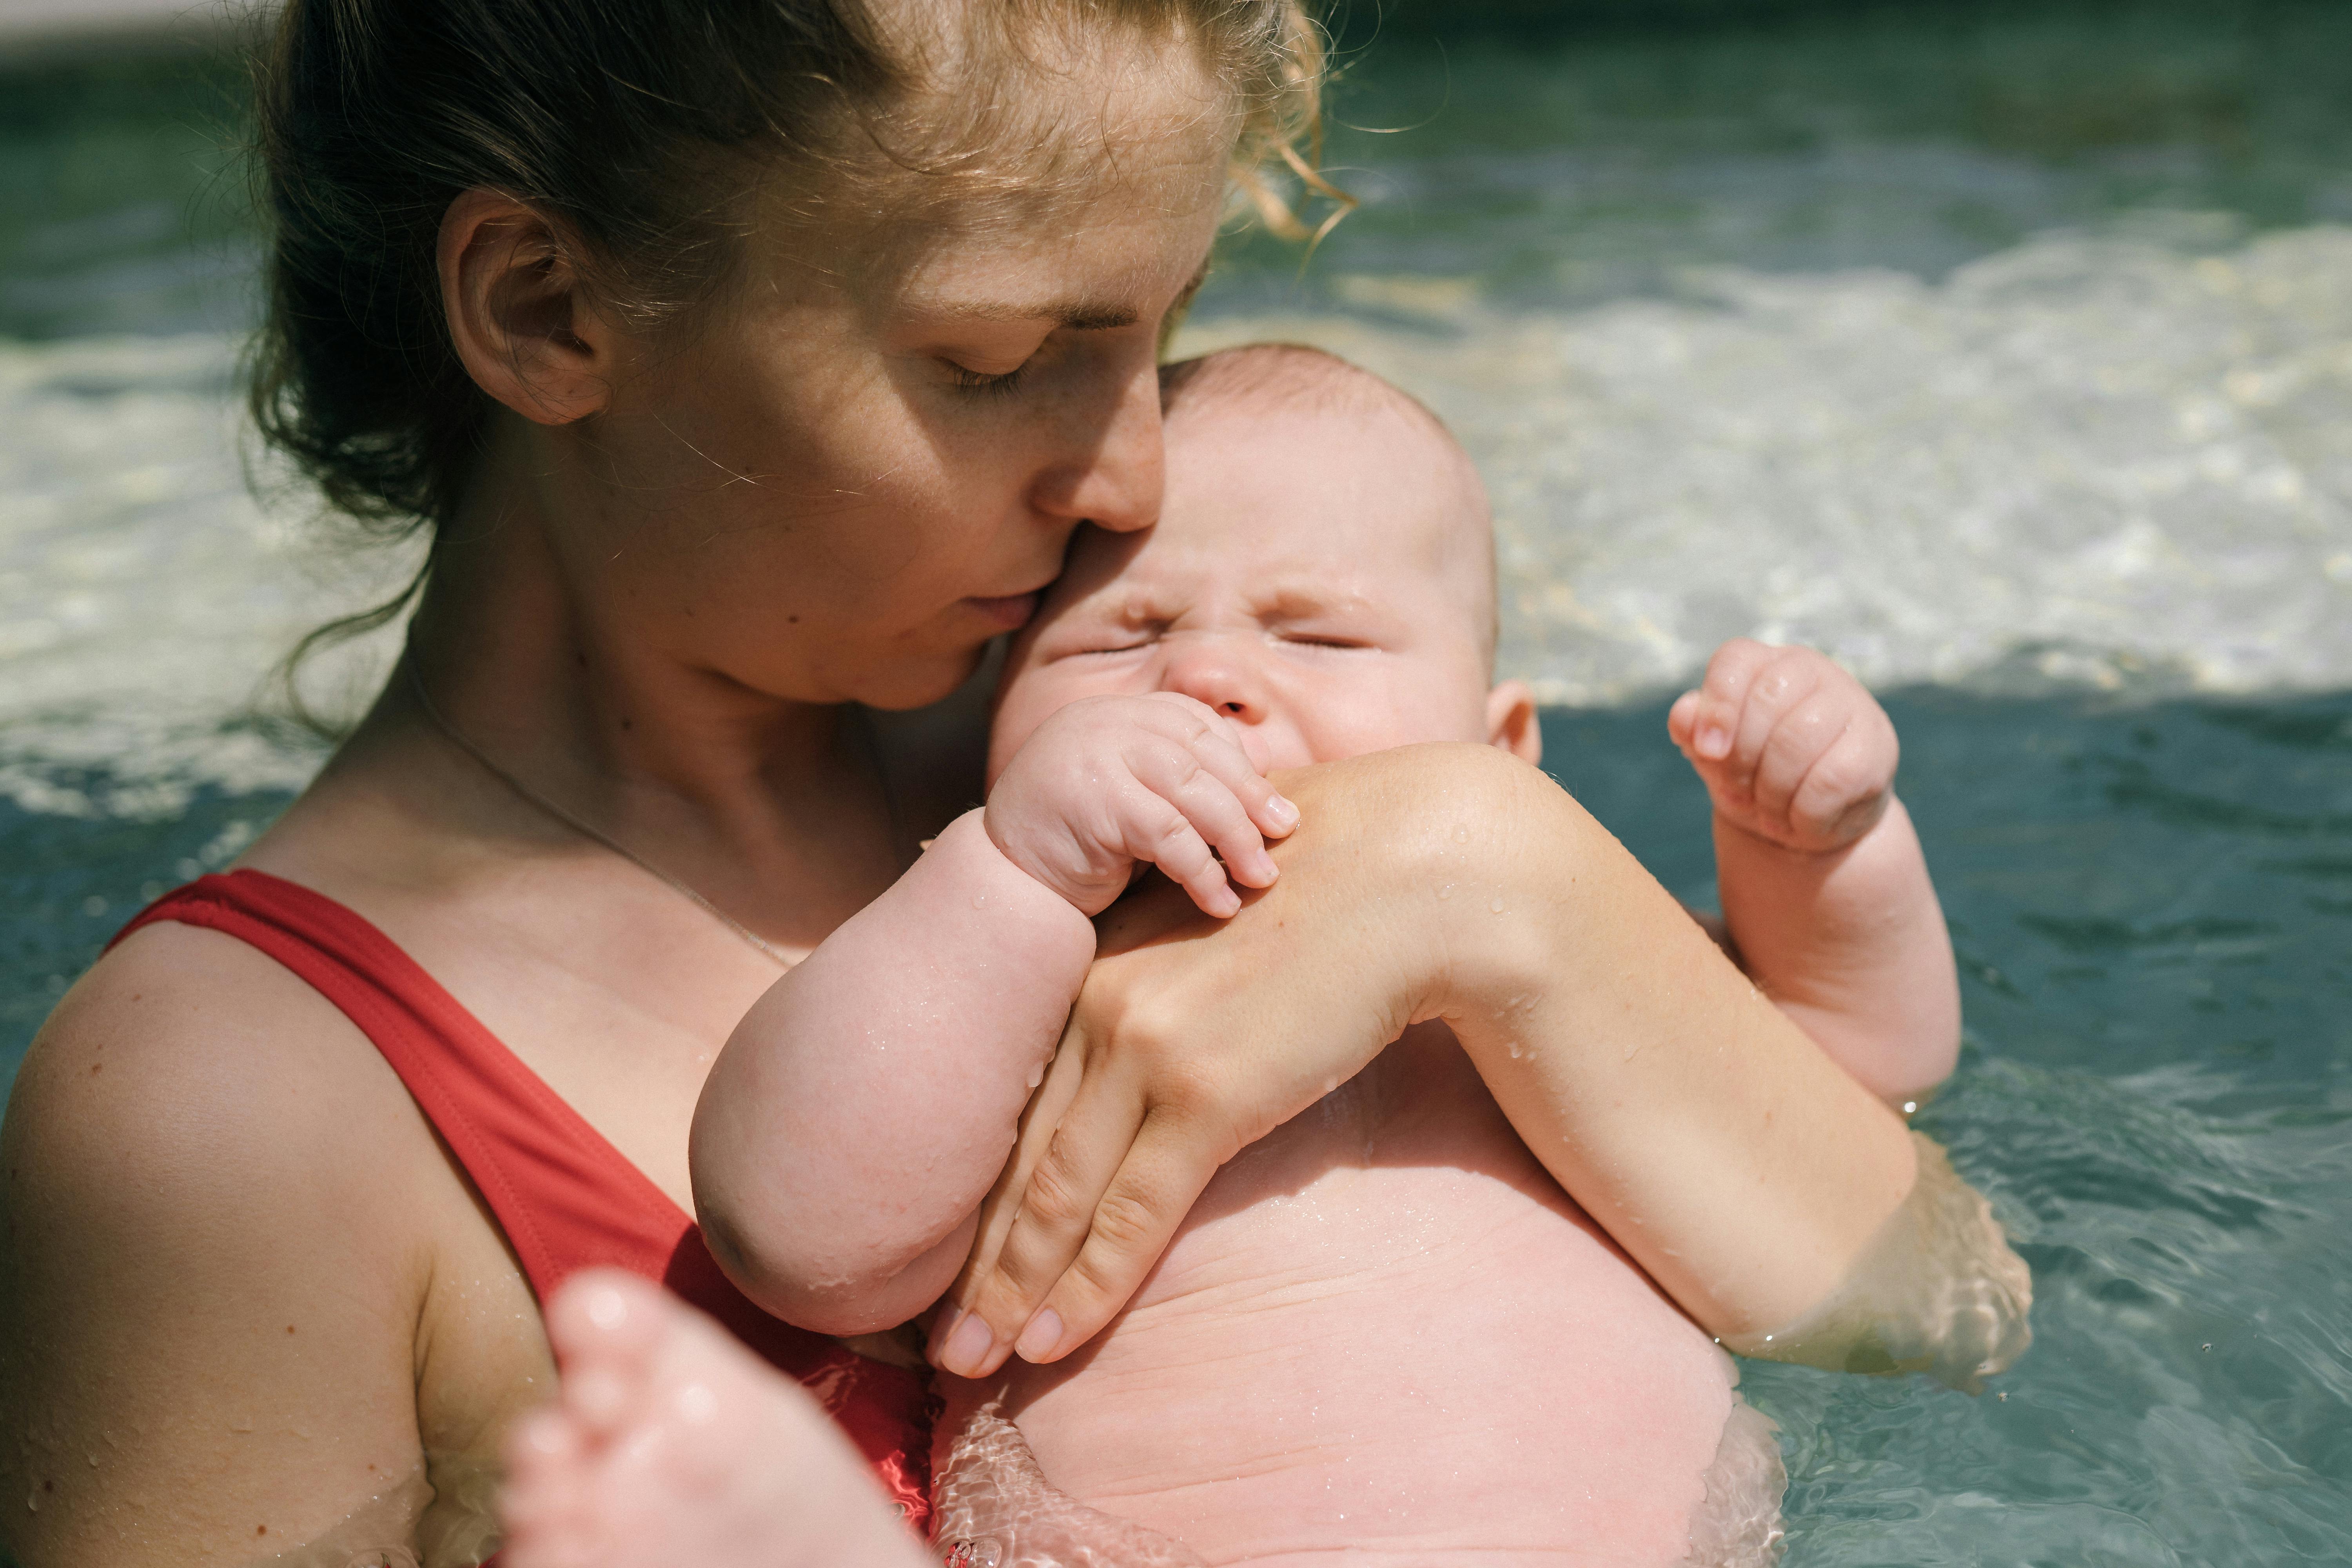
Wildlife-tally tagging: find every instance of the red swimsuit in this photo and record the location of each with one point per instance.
(566, 1198)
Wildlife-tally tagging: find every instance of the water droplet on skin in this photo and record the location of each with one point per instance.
(1497, 904)
(980, 900)
(1446, 891)
(1036, 1075)
(1460, 832)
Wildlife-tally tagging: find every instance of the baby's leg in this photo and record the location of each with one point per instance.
(671, 1443)
(996, 1510)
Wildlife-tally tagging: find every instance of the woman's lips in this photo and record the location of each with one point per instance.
(1011, 612)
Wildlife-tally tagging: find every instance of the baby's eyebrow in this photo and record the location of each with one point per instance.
(1301, 601)
(1137, 610)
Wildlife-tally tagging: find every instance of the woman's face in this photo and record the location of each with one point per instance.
(868, 461)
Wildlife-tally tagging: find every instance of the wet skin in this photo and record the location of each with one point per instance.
(1386, 1332)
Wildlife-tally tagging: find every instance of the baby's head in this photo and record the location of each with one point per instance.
(1322, 574)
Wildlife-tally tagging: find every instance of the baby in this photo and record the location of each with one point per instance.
(1384, 1331)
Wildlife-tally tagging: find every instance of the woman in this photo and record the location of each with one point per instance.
(750, 365)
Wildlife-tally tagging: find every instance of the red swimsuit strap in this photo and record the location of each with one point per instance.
(565, 1198)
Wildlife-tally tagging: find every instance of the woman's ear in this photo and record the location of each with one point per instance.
(1511, 721)
(518, 313)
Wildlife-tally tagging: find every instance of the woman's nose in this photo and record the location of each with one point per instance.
(1215, 678)
(1113, 479)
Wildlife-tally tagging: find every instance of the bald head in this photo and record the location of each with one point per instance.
(1333, 403)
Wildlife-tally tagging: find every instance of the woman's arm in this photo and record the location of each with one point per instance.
(1686, 1112)
(212, 1263)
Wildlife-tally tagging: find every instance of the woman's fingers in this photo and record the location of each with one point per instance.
(975, 1357)
(1054, 1210)
(1164, 1173)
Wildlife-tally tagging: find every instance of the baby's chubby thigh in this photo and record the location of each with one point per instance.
(1423, 1351)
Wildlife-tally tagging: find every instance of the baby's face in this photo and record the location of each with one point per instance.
(1320, 578)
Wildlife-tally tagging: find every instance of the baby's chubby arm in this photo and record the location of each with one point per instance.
(862, 1108)
(1824, 889)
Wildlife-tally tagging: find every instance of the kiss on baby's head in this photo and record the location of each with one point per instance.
(1322, 574)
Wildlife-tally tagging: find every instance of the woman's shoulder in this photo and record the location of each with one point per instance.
(191, 1075)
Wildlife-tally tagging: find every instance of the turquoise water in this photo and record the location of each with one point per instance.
(2007, 354)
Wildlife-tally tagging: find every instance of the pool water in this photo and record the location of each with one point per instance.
(2006, 353)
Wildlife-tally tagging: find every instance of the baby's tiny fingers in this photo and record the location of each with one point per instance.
(1703, 725)
(1196, 786)
(1217, 746)
(1172, 843)
(1804, 734)
(1778, 689)
(1846, 791)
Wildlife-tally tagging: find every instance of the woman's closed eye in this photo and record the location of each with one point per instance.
(981, 382)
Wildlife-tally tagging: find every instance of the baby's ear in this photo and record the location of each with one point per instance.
(1511, 721)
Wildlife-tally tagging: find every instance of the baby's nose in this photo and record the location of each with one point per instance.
(1221, 682)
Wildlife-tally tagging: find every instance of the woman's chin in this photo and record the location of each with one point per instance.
(917, 681)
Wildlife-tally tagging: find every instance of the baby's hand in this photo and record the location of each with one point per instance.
(1109, 781)
(1791, 747)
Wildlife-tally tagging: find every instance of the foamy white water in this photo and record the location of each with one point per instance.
(2081, 460)
(144, 593)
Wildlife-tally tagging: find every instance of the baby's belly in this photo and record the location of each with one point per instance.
(1386, 1332)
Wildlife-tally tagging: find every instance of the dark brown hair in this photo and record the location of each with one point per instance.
(628, 123)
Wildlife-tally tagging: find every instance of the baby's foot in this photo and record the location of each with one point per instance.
(670, 1443)
(996, 1510)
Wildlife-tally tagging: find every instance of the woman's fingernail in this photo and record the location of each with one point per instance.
(965, 1350)
(1714, 740)
(1284, 814)
(1041, 1337)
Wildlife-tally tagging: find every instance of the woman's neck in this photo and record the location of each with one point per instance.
(776, 811)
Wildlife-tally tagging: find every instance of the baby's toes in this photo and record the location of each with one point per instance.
(547, 1481)
(606, 1329)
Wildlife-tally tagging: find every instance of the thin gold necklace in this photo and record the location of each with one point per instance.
(589, 830)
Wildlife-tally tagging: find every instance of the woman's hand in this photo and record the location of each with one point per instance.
(1192, 1038)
